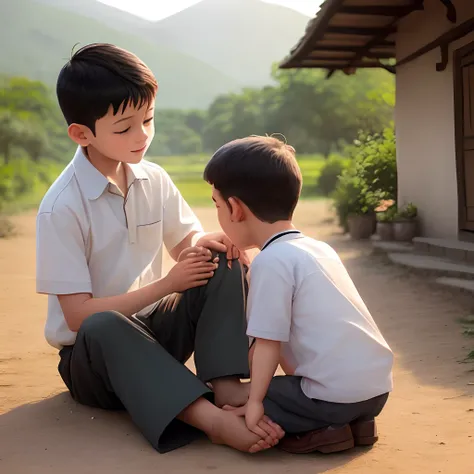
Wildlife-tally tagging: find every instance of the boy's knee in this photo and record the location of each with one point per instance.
(101, 322)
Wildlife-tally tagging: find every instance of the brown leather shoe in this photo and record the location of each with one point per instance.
(326, 440)
(364, 433)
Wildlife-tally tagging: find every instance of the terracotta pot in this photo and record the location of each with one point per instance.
(385, 230)
(361, 226)
(405, 231)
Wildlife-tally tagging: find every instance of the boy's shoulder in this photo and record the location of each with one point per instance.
(287, 255)
(62, 192)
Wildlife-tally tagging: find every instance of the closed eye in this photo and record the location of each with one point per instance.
(123, 131)
(149, 120)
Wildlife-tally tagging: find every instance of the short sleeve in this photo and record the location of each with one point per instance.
(61, 265)
(270, 300)
(179, 220)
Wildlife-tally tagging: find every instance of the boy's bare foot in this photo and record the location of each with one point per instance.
(230, 391)
(231, 430)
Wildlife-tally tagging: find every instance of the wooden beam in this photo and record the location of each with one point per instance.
(338, 64)
(441, 42)
(314, 32)
(368, 54)
(450, 10)
(381, 10)
(362, 31)
(381, 36)
(332, 67)
(342, 49)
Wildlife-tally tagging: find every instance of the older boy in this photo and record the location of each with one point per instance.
(123, 330)
(303, 309)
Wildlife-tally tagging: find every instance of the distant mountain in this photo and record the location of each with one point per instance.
(241, 38)
(37, 40)
(110, 16)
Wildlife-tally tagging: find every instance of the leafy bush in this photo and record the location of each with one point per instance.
(330, 173)
(370, 177)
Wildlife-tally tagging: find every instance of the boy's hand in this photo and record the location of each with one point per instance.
(195, 252)
(219, 242)
(253, 414)
(191, 272)
(257, 421)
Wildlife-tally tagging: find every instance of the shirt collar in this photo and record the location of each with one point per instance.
(283, 237)
(93, 183)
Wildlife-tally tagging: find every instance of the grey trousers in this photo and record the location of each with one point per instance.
(135, 364)
(287, 405)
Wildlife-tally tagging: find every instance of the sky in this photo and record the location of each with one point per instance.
(160, 9)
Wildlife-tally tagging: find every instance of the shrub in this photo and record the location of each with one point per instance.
(330, 173)
(370, 177)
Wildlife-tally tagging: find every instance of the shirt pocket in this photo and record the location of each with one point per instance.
(150, 233)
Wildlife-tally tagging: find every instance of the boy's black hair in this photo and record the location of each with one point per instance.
(260, 171)
(101, 75)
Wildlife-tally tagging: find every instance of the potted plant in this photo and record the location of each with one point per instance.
(405, 224)
(385, 215)
(361, 219)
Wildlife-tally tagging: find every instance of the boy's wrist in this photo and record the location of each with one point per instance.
(255, 399)
(164, 286)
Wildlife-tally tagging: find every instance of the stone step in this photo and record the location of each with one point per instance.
(453, 249)
(456, 283)
(430, 263)
(391, 246)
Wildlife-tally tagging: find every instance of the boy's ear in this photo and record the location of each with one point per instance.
(237, 211)
(79, 134)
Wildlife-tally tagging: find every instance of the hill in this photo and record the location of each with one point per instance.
(37, 40)
(109, 16)
(241, 38)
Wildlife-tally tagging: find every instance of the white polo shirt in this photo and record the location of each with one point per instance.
(90, 239)
(301, 294)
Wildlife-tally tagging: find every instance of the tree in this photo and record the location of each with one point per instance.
(10, 133)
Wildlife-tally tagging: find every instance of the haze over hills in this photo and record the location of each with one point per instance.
(37, 40)
(213, 47)
(241, 38)
(109, 16)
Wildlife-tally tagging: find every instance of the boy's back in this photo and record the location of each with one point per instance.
(301, 294)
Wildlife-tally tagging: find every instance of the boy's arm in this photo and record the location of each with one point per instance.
(62, 270)
(190, 273)
(266, 357)
(269, 311)
(78, 307)
(182, 228)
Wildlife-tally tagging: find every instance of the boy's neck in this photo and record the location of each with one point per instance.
(109, 168)
(263, 231)
(113, 170)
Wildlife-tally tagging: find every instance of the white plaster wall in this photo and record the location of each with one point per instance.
(424, 116)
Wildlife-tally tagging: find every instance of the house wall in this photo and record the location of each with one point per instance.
(424, 116)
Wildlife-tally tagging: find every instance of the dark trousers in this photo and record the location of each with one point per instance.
(287, 405)
(138, 364)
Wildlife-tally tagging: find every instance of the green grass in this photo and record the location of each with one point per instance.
(186, 172)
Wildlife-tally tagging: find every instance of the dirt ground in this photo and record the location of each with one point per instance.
(426, 427)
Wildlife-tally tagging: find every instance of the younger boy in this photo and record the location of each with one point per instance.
(303, 309)
(122, 330)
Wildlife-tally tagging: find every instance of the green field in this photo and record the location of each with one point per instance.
(186, 172)
(33, 179)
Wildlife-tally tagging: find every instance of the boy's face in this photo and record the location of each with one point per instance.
(233, 220)
(122, 137)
